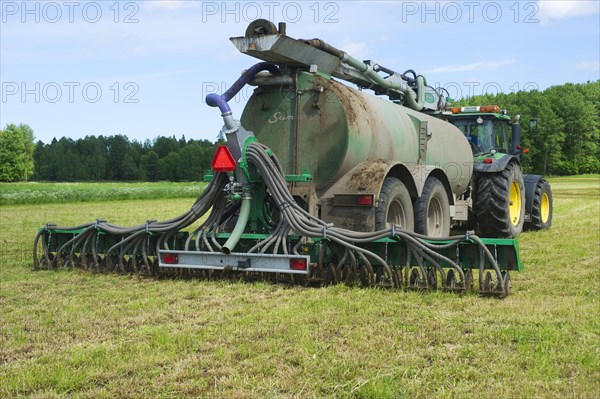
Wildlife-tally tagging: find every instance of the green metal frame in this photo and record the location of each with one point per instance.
(466, 253)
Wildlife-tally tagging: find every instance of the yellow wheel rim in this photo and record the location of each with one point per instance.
(515, 203)
(545, 208)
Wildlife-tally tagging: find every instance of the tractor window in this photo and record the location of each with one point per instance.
(486, 136)
(503, 137)
(480, 135)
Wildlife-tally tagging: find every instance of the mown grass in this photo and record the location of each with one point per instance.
(52, 193)
(76, 334)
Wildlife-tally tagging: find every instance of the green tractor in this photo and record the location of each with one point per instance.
(504, 200)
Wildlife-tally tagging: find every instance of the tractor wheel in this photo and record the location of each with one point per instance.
(541, 209)
(500, 202)
(432, 210)
(394, 206)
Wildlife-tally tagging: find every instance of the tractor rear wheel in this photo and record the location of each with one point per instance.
(499, 202)
(541, 208)
(394, 206)
(432, 210)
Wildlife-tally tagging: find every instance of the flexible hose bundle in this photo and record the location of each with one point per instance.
(295, 218)
(133, 241)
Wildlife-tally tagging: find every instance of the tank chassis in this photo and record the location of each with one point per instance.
(303, 190)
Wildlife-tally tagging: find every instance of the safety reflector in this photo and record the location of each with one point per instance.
(223, 160)
(298, 264)
(488, 160)
(364, 200)
(170, 259)
(353, 200)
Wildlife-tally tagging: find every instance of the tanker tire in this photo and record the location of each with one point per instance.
(541, 209)
(492, 202)
(395, 206)
(432, 210)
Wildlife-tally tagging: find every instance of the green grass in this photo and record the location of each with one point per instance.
(53, 193)
(71, 333)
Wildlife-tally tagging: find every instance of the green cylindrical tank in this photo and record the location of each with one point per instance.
(326, 128)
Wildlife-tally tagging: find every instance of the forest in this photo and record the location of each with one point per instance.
(566, 142)
(116, 158)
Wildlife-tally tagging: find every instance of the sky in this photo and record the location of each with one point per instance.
(143, 68)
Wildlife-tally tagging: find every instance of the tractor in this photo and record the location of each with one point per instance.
(504, 200)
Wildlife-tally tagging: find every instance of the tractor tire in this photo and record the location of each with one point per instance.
(499, 202)
(394, 206)
(432, 210)
(541, 209)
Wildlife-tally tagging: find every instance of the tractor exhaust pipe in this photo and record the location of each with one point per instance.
(516, 135)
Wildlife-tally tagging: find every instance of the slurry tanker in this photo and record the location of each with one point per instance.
(322, 183)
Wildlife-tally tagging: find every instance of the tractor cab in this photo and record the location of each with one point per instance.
(487, 129)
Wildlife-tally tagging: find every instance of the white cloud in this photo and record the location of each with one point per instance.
(354, 49)
(168, 4)
(563, 9)
(593, 66)
(475, 66)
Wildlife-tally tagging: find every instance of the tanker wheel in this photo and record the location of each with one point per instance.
(500, 202)
(432, 210)
(541, 209)
(394, 206)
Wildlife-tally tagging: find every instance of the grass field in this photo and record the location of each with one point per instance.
(74, 334)
(55, 193)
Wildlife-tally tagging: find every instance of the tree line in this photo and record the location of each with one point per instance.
(116, 158)
(566, 142)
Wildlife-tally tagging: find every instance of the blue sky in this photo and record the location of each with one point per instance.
(77, 68)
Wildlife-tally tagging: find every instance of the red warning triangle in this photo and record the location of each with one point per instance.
(223, 160)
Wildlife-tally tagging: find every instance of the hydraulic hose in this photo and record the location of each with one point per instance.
(247, 76)
(220, 101)
(240, 226)
(413, 100)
